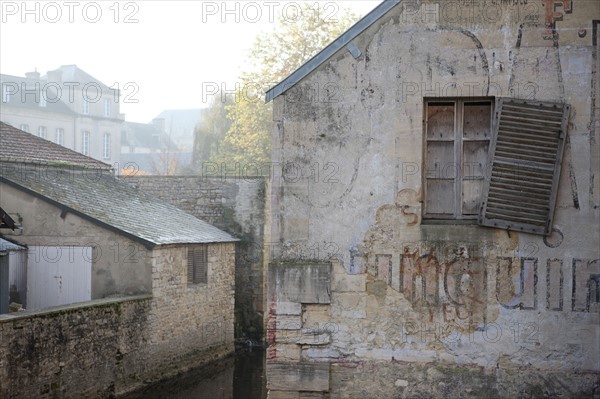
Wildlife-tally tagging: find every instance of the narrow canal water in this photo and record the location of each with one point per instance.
(240, 376)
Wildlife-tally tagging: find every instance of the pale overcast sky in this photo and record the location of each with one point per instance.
(169, 50)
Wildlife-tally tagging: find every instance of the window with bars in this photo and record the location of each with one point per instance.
(197, 265)
(497, 163)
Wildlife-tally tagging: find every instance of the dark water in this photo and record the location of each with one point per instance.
(240, 376)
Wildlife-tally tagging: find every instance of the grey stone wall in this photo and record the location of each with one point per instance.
(112, 346)
(236, 205)
(92, 350)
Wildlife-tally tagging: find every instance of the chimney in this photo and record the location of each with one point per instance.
(159, 123)
(33, 75)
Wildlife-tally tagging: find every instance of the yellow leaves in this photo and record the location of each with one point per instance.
(273, 57)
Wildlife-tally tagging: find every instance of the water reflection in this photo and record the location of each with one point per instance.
(241, 376)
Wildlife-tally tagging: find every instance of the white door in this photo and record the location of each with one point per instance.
(58, 276)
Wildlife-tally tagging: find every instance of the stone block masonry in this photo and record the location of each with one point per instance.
(108, 347)
(236, 205)
(75, 351)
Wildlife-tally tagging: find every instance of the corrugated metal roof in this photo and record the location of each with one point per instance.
(7, 246)
(331, 49)
(115, 205)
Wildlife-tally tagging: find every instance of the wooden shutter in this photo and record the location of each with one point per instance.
(524, 165)
(190, 265)
(201, 265)
(197, 265)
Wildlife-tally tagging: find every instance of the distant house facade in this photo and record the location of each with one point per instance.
(444, 204)
(157, 281)
(68, 107)
(148, 148)
(180, 125)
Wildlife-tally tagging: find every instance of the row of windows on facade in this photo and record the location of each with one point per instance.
(41, 99)
(85, 139)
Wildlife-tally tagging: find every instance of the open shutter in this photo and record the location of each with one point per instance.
(524, 165)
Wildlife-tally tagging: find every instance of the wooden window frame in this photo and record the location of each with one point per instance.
(458, 156)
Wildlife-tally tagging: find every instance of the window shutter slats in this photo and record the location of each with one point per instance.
(524, 165)
(190, 265)
(202, 265)
(197, 265)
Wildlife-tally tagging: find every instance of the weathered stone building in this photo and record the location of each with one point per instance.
(445, 193)
(161, 282)
(235, 204)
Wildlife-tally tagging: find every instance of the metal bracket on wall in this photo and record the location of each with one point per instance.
(354, 50)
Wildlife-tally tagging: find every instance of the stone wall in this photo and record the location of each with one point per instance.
(188, 321)
(235, 205)
(412, 290)
(109, 347)
(89, 350)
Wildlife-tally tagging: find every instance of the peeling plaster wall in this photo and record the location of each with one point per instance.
(410, 291)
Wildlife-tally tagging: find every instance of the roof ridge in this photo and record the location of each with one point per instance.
(326, 53)
(17, 144)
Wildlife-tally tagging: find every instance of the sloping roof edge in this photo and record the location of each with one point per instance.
(331, 49)
(67, 209)
(7, 246)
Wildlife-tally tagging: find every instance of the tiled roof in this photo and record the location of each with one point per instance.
(115, 205)
(19, 146)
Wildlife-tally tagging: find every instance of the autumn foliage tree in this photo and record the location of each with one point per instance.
(272, 58)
